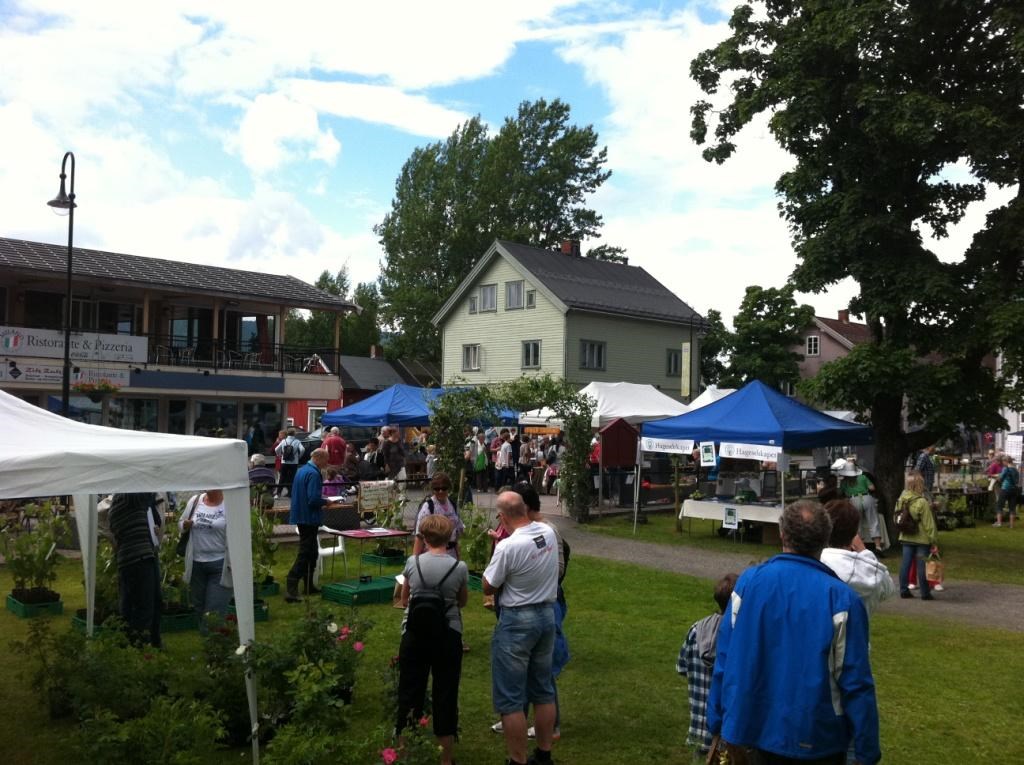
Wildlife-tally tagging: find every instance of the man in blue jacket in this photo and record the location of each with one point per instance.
(307, 504)
(792, 680)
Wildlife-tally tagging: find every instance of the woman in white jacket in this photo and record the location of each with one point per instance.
(851, 561)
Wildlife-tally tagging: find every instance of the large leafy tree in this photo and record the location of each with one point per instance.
(898, 115)
(769, 324)
(529, 183)
(358, 330)
(714, 346)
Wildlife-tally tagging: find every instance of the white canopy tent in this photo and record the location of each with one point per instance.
(710, 395)
(43, 454)
(632, 402)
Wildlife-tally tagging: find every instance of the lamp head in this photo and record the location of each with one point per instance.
(62, 204)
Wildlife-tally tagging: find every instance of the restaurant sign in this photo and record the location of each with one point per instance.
(85, 346)
(19, 371)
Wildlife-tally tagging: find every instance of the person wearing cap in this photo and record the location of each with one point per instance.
(857, 487)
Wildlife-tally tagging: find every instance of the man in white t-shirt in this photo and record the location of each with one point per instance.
(524, 572)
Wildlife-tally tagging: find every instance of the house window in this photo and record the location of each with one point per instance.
(591, 354)
(531, 298)
(513, 295)
(673, 362)
(470, 358)
(531, 354)
(813, 345)
(788, 389)
(489, 297)
(472, 304)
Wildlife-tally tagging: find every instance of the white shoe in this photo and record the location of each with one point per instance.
(498, 727)
(531, 732)
(939, 588)
(911, 586)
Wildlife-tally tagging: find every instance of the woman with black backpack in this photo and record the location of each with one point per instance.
(433, 592)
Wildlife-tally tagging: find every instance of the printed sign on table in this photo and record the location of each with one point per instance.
(375, 495)
(730, 518)
(750, 452)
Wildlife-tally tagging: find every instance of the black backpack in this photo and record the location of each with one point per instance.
(428, 611)
(288, 452)
(566, 551)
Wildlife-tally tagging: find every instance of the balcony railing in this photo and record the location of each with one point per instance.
(180, 351)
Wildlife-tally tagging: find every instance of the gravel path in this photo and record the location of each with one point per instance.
(976, 603)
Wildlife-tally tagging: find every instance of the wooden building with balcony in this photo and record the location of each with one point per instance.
(192, 348)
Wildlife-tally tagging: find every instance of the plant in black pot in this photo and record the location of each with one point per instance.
(475, 544)
(175, 608)
(106, 603)
(32, 559)
(264, 554)
(389, 551)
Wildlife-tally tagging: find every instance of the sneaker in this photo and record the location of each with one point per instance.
(531, 732)
(911, 586)
(939, 588)
(997, 524)
(498, 727)
(906, 594)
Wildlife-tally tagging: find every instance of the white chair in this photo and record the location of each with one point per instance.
(338, 548)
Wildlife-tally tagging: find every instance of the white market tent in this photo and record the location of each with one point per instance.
(710, 395)
(43, 454)
(632, 402)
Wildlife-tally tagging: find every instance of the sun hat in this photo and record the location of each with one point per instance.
(849, 470)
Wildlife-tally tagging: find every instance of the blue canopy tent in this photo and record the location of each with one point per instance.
(760, 415)
(398, 405)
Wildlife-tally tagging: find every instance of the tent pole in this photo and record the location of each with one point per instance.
(636, 484)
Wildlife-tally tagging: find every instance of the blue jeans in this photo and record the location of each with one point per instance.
(914, 553)
(208, 594)
(521, 651)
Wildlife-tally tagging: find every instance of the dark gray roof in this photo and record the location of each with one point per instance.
(113, 267)
(425, 374)
(363, 373)
(593, 285)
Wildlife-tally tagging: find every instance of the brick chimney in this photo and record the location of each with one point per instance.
(571, 247)
(844, 316)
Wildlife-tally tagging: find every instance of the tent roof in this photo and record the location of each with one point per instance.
(632, 402)
(710, 395)
(758, 414)
(45, 454)
(398, 405)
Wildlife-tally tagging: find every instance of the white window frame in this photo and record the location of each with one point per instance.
(313, 416)
(673, 362)
(472, 303)
(525, 357)
(531, 298)
(815, 342)
(520, 287)
(493, 289)
(471, 356)
(593, 354)
(788, 389)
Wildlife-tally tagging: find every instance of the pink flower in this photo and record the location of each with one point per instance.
(357, 646)
(345, 630)
(342, 637)
(424, 721)
(389, 756)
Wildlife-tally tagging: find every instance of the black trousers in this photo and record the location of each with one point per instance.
(309, 550)
(287, 477)
(140, 600)
(441, 660)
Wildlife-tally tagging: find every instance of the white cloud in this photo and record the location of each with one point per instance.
(386, 105)
(275, 128)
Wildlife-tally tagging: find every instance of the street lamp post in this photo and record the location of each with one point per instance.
(66, 202)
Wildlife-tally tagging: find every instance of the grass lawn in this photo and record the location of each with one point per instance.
(946, 692)
(983, 553)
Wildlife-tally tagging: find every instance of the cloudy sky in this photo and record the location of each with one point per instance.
(269, 137)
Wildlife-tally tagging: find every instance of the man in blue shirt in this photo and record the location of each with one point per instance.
(792, 679)
(307, 503)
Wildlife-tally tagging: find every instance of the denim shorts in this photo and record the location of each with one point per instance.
(521, 650)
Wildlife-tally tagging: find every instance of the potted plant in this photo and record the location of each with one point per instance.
(32, 560)
(96, 390)
(106, 602)
(176, 612)
(264, 553)
(389, 551)
(475, 544)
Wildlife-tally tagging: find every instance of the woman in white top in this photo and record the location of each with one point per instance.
(204, 556)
